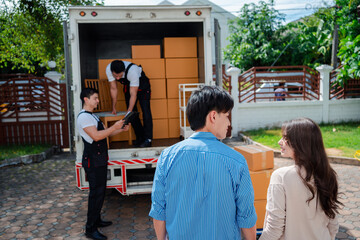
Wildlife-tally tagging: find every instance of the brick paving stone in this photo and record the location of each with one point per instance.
(41, 201)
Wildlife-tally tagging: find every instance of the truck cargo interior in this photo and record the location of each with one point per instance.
(103, 42)
(114, 41)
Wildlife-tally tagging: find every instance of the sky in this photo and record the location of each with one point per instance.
(294, 9)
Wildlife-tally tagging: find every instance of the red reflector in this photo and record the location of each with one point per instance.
(82, 13)
(93, 13)
(187, 13)
(198, 13)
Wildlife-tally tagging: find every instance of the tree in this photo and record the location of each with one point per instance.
(253, 36)
(349, 35)
(31, 34)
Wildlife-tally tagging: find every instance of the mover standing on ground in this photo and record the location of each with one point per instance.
(202, 188)
(95, 158)
(136, 87)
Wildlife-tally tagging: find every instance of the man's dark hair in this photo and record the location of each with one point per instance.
(87, 93)
(205, 100)
(117, 66)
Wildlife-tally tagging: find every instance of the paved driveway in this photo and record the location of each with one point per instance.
(40, 201)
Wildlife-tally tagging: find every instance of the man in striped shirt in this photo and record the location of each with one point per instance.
(202, 188)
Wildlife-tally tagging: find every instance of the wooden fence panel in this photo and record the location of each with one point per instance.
(33, 110)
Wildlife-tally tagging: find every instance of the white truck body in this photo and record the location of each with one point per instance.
(107, 32)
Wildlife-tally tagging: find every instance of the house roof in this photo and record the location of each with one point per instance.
(215, 8)
(166, 2)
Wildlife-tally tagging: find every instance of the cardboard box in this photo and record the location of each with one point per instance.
(121, 106)
(174, 127)
(145, 51)
(153, 67)
(160, 128)
(258, 158)
(123, 136)
(181, 68)
(173, 108)
(102, 64)
(180, 47)
(159, 109)
(158, 88)
(260, 208)
(172, 85)
(260, 181)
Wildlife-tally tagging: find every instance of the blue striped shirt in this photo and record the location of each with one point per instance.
(202, 189)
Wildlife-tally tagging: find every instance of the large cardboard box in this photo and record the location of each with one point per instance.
(260, 181)
(159, 109)
(258, 158)
(102, 64)
(153, 67)
(172, 85)
(181, 67)
(158, 88)
(180, 47)
(160, 128)
(145, 51)
(260, 208)
(174, 127)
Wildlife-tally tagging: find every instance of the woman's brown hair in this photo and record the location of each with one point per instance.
(304, 136)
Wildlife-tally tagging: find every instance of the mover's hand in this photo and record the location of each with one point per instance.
(114, 111)
(119, 124)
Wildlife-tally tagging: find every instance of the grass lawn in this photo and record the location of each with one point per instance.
(13, 151)
(339, 139)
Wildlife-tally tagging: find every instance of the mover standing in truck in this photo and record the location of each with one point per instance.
(95, 158)
(202, 188)
(136, 87)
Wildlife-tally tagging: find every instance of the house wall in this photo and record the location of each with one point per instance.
(273, 114)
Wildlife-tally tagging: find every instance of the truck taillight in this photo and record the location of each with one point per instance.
(82, 13)
(198, 13)
(187, 13)
(93, 13)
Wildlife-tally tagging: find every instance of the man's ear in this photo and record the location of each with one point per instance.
(212, 116)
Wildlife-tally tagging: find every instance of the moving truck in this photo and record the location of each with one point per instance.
(173, 46)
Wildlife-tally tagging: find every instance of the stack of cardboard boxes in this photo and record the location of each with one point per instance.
(179, 65)
(260, 161)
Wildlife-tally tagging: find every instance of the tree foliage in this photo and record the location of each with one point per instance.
(349, 35)
(31, 34)
(259, 38)
(253, 36)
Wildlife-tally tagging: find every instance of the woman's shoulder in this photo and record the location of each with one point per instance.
(281, 174)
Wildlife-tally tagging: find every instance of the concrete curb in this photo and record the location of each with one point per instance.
(277, 153)
(29, 159)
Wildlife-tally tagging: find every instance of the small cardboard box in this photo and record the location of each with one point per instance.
(260, 208)
(181, 68)
(160, 128)
(174, 127)
(159, 109)
(145, 51)
(260, 181)
(172, 85)
(180, 47)
(153, 67)
(173, 108)
(158, 88)
(257, 158)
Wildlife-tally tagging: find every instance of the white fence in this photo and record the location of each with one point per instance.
(246, 116)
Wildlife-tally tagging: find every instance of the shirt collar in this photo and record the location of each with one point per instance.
(208, 135)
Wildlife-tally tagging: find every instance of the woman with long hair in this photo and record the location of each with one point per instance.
(302, 200)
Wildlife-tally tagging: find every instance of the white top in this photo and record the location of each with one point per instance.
(133, 75)
(86, 120)
(288, 215)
